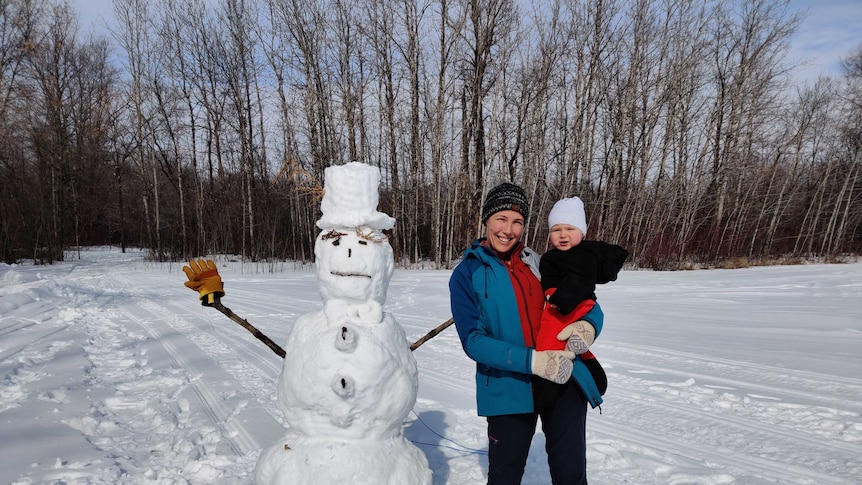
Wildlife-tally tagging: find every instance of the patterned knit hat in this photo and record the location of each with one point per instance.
(503, 197)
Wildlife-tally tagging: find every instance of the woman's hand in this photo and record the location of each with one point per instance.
(553, 365)
(579, 335)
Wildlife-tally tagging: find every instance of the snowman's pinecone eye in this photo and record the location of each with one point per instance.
(336, 242)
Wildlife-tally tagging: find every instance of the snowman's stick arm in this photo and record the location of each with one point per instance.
(251, 328)
(280, 351)
(433, 333)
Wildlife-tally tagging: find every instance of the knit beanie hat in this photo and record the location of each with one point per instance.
(503, 197)
(569, 211)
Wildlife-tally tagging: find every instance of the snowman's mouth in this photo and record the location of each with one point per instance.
(341, 273)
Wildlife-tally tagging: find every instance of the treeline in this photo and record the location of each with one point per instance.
(197, 127)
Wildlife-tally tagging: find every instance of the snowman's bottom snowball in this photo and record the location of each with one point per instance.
(393, 461)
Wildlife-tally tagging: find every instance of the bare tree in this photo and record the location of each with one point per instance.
(747, 46)
(51, 68)
(451, 21)
(134, 37)
(240, 79)
(19, 34)
(488, 22)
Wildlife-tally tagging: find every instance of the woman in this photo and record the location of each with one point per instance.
(497, 302)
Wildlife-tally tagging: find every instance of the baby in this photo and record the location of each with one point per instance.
(570, 272)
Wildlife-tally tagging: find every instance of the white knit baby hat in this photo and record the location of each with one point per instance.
(569, 211)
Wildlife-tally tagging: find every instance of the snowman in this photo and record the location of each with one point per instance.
(349, 379)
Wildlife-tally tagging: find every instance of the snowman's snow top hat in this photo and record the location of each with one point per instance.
(350, 198)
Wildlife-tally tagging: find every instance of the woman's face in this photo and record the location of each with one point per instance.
(504, 230)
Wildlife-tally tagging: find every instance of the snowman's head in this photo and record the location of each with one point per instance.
(353, 264)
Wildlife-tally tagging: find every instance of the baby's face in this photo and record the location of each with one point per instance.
(565, 236)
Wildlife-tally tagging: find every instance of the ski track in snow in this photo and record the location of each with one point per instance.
(173, 419)
(755, 423)
(166, 391)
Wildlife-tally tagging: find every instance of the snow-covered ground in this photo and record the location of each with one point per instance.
(112, 372)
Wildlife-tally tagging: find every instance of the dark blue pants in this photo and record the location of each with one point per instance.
(564, 425)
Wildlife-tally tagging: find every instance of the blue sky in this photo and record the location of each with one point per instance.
(830, 31)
